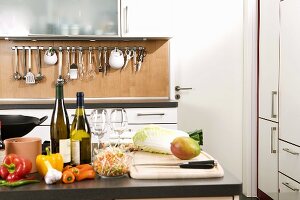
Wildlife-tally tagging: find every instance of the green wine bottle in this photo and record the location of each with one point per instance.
(80, 134)
(60, 126)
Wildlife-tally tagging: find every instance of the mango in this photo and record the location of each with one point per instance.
(185, 148)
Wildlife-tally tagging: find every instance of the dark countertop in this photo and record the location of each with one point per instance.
(125, 187)
(90, 103)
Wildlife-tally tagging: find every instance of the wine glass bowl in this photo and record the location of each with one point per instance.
(118, 122)
(99, 124)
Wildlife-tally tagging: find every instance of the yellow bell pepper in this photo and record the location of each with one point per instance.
(43, 161)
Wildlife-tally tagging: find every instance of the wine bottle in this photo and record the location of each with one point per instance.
(80, 134)
(60, 126)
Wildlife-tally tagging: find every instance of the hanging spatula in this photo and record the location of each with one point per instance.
(29, 76)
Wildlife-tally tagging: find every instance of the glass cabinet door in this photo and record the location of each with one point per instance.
(59, 17)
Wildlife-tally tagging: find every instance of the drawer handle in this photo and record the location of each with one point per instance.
(288, 186)
(150, 114)
(273, 132)
(273, 115)
(289, 151)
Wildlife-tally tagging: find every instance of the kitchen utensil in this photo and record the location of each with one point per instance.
(18, 125)
(91, 71)
(206, 164)
(24, 63)
(80, 63)
(67, 76)
(39, 77)
(105, 61)
(100, 68)
(128, 55)
(141, 56)
(50, 56)
(116, 59)
(29, 76)
(73, 67)
(16, 75)
(27, 147)
(134, 59)
(60, 52)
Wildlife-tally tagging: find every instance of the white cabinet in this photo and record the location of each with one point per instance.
(268, 157)
(289, 160)
(146, 18)
(289, 189)
(268, 98)
(269, 59)
(289, 97)
(137, 119)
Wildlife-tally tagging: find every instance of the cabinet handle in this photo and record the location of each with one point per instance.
(126, 20)
(273, 115)
(150, 114)
(290, 187)
(178, 88)
(273, 129)
(289, 151)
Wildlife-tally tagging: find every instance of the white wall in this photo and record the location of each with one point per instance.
(207, 54)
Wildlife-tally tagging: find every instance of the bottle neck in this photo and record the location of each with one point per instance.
(59, 91)
(80, 102)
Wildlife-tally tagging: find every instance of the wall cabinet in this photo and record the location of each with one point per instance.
(268, 157)
(146, 18)
(54, 18)
(88, 19)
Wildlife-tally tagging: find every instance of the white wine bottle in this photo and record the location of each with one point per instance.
(80, 134)
(60, 126)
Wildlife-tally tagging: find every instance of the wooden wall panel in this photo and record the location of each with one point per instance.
(151, 81)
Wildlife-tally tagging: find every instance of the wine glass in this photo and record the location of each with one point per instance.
(99, 125)
(118, 122)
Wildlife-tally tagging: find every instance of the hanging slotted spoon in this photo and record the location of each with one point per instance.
(29, 76)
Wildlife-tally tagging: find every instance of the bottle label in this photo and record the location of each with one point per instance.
(75, 152)
(65, 149)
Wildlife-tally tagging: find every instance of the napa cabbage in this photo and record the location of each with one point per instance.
(153, 138)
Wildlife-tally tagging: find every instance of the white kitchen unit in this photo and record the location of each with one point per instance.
(287, 185)
(52, 18)
(268, 157)
(289, 71)
(137, 119)
(146, 18)
(268, 99)
(289, 160)
(269, 59)
(289, 98)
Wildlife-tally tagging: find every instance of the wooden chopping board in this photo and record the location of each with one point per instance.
(169, 172)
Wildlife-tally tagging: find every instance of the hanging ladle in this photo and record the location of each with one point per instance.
(17, 76)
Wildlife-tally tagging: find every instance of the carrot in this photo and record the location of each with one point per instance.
(68, 177)
(87, 174)
(84, 167)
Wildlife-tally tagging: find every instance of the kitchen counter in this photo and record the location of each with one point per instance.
(89, 103)
(125, 187)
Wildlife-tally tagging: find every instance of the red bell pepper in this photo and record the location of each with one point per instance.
(14, 168)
